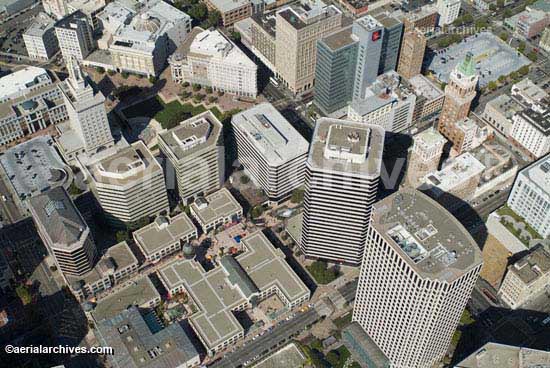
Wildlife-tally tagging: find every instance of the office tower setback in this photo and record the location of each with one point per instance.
(412, 54)
(530, 196)
(86, 110)
(342, 174)
(297, 29)
(270, 149)
(63, 231)
(419, 269)
(335, 70)
(194, 149)
(425, 156)
(75, 36)
(369, 33)
(129, 184)
(459, 94)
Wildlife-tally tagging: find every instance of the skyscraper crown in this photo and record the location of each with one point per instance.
(467, 66)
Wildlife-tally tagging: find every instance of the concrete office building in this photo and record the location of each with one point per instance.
(231, 11)
(28, 114)
(137, 344)
(419, 269)
(425, 156)
(531, 132)
(270, 149)
(55, 8)
(514, 356)
(89, 125)
(530, 195)
(298, 27)
(342, 174)
(387, 103)
(369, 33)
(216, 209)
(544, 42)
(64, 232)
(195, 151)
(429, 100)
(448, 11)
(391, 42)
(527, 279)
(129, 185)
(411, 57)
(499, 113)
(209, 58)
(164, 236)
(335, 71)
(459, 94)
(237, 284)
(75, 36)
(23, 82)
(90, 8)
(40, 40)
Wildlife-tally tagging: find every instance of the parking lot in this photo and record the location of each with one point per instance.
(11, 32)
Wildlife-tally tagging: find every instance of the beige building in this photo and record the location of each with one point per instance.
(164, 236)
(129, 184)
(195, 151)
(527, 278)
(429, 100)
(411, 56)
(231, 11)
(425, 156)
(216, 209)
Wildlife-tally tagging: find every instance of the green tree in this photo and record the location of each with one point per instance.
(492, 85)
(502, 78)
(121, 236)
(212, 99)
(208, 89)
(100, 70)
(196, 87)
(256, 211)
(74, 190)
(24, 294)
(214, 18)
(185, 84)
(235, 36)
(125, 75)
(521, 47)
(524, 70)
(111, 72)
(297, 196)
(152, 79)
(244, 179)
(198, 11)
(532, 56)
(503, 36)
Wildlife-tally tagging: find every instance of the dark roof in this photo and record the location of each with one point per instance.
(135, 345)
(66, 21)
(56, 212)
(363, 347)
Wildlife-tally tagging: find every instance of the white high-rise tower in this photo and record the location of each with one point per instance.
(86, 109)
(342, 173)
(418, 272)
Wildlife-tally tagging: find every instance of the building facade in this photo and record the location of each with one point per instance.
(391, 42)
(342, 174)
(531, 132)
(448, 11)
(414, 281)
(413, 47)
(195, 151)
(459, 94)
(425, 156)
(429, 100)
(23, 82)
(40, 40)
(75, 36)
(370, 34)
(530, 196)
(272, 152)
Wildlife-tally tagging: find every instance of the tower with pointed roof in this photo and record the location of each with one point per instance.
(459, 94)
(86, 110)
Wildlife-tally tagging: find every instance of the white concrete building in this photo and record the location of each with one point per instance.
(272, 152)
(419, 269)
(23, 82)
(209, 58)
(75, 36)
(499, 113)
(64, 231)
(194, 150)
(448, 11)
(218, 208)
(89, 125)
(530, 196)
(55, 8)
(342, 174)
(531, 132)
(425, 156)
(129, 184)
(164, 236)
(527, 279)
(386, 103)
(40, 40)
(530, 95)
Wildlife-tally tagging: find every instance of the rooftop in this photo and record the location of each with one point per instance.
(69, 21)
(56, 212)
(228, 5)
(357, 341)
(217, 205)
(219, 291)
(163, 232)
(539, 174)
(505, 105)
(505, 356)
(135, 345)
(539, 120)
(87, 6)
(193, 135)
(138, 293)
(534, 265)
(18, 82)
(528, 92)
(347, 147)
(306, 12)
(459, 170)
(428, 237)
(127, 166)
(41, 23)
(424, 87)
(429, 138)
(270, 133)
(339, 39)
(34, 167)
